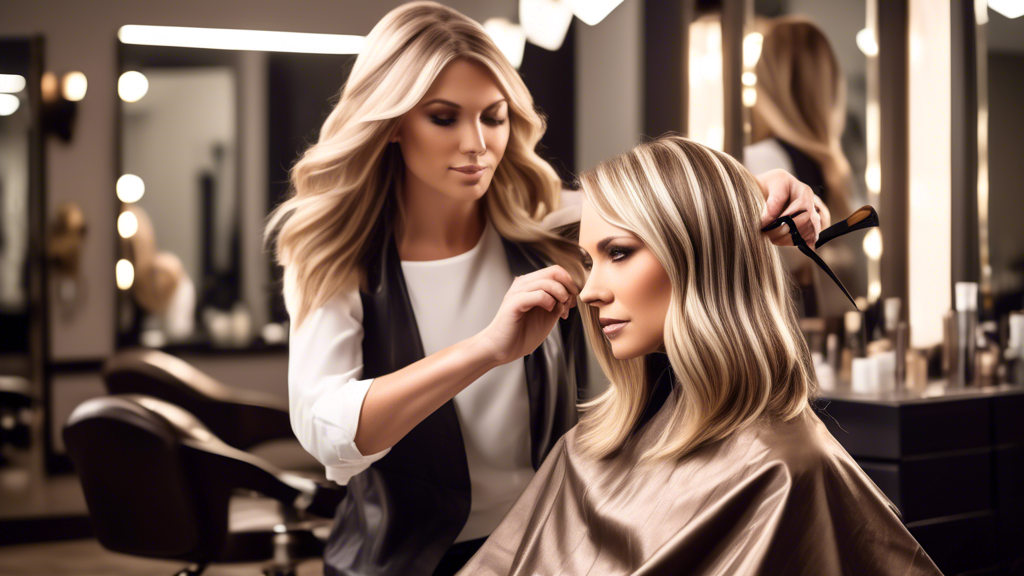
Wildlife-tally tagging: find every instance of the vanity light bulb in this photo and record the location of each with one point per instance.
(749, 79)
(749, 96)
(867, 43)
(125, 273)
(9, 104)
(1008, 8)
(873, 244)
(130, 188)
(545, 22)
(132, 86)
(509, 37)
(593, 11)
(752, 48)
(12, 83)
(127, 224)
(73, 86)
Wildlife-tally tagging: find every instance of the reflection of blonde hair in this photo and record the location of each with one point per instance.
(801, 99)
(731, 331)
(341, 183)
(157, 274)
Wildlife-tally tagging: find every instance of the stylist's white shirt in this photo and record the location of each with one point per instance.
(452, 299)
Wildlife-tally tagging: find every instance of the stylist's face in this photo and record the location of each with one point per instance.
(627, 287)
(454, 138)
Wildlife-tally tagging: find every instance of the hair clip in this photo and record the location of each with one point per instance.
(865, 217)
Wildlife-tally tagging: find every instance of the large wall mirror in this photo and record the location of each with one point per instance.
(805, 93)
(206, 138)
(1001, 172)
(23, 344)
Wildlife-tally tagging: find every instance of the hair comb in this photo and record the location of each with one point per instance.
(863, 218)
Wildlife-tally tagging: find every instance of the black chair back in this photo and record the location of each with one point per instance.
(241, 418)
(147, 492)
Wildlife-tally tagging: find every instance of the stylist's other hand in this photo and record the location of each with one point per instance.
(785, 195)
(530, 310)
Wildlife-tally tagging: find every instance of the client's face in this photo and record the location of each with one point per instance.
(627, 286)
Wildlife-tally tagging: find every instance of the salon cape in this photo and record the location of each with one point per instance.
(772, 498)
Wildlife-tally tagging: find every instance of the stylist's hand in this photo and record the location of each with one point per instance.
(785, 195)
(528, 313)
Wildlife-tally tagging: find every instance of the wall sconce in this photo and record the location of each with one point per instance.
(64, 240)
(60, 102)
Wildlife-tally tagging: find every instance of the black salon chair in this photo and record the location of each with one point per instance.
(158, 483)
(240, 417)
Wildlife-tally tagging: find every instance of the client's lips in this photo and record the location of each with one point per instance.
(611, 326)
(469, 169)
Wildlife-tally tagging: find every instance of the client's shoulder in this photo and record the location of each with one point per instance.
(801, 446)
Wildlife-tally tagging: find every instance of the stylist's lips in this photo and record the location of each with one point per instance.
(470, 169)
(611, 326)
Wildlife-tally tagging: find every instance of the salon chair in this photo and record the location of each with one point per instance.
(158, 484)
(241, 418)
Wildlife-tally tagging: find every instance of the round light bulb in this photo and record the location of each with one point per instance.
(873, 244)
(130, 188)
(9, 104)
(127, 224)
(132, 86)
(74, 85)
(125, 273)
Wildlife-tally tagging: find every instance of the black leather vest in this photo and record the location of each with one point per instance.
(402, 514)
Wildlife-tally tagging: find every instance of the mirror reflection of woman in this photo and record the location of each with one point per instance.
(797, 123)
(424, 281)
(704, 456)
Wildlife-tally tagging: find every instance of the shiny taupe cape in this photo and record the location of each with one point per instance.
(781, 498)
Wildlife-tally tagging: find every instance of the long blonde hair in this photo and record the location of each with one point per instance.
(341, 183)
(731, 330)
(801, 98)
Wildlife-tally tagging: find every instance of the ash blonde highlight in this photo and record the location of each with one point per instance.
(341, 184)
(731, 331)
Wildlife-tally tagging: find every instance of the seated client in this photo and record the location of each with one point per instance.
(704, 456)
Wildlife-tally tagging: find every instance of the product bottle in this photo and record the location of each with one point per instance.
(966, 333)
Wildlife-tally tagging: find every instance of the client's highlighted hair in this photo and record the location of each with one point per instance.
(731, 332)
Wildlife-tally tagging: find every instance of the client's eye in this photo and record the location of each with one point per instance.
(618, 253)
(588, 263)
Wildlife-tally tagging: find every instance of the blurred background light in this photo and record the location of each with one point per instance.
(73, 86)
(125, 273)
(545, 22)
(593, 11)
(866, 42)
(1009, 8)
(127, 224)
(752, 49)
(130, 188)
(509, 37)
(873, 244)
(132, 86)
(11, 83)
(9, 104)
(227, 39)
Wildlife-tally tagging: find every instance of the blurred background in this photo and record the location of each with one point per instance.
(142, 146)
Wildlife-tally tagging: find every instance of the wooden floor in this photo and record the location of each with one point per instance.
(88, 558)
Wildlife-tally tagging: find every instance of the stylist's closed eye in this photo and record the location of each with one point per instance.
(627, 287)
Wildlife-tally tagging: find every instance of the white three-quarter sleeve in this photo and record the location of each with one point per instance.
(325, 390)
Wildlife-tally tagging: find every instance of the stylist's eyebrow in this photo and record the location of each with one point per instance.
(456, 106)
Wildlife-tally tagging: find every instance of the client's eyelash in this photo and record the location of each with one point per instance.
(618, 253)
(441, 120)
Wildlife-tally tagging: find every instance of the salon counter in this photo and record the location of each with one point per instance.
(951, 460)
